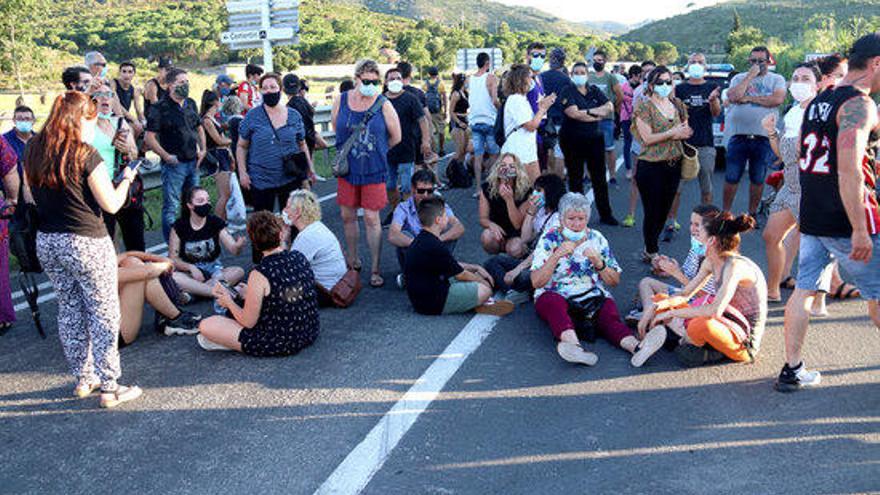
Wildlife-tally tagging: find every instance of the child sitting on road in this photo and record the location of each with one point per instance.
(438, 284)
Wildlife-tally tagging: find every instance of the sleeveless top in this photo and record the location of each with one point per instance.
(461, 107)
(750, 302)
(822, 210)
(160, 93)
(210, 144)
(788, 148)
(104, 144)
(482, 110)
(289, 313)
(125, 96)
(368, 158)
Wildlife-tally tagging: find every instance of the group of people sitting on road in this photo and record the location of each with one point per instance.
(78, 175)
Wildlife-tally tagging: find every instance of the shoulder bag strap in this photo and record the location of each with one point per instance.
(362, 125)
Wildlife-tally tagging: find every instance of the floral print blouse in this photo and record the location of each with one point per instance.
(649, 113)
(574, 274)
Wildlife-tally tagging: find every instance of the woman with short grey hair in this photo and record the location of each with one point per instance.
(573, 267)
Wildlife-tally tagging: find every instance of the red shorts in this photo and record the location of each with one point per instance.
(368, 196)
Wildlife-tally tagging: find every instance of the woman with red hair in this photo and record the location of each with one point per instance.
(71, 186)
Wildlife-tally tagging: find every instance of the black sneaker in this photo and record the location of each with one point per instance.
(186, 323)
(691, 356)
(793, 379)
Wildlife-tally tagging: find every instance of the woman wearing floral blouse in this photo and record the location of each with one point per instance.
(573, 266)
(659, 123)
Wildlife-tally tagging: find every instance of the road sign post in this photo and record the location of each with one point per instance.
(261, 24)
(466, 58)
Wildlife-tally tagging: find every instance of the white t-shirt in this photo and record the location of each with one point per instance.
(324, 253)
(522, 143)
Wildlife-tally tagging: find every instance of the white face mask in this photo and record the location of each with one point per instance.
(802, 91)
(87, 130)
(395, 86)
(287, 220)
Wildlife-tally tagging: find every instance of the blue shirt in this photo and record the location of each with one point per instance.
(264, 160)
(368, 158)
(407, 216)
(555, 81)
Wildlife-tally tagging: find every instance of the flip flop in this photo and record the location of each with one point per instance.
(376, 280)
(356, 265)
(851, 292)
(788, 283)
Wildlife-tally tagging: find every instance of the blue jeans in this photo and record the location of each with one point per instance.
(816, 253)
(627, 144)
(752, 150)
(175, 180)
(400, 173)
(606, 127)
(483, 136)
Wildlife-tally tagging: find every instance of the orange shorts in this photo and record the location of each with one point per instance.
(368, 196)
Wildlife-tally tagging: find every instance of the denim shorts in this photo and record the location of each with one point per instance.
(606, 127)
(752, 150)
(483, 136)
(399, 173)
(210, 269)
(816, 253)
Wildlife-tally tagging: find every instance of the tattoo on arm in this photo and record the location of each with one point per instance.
(854, 116)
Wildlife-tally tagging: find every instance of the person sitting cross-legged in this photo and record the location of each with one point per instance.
(573, 266)
(280, 313)
(438, 284)
(405, 224)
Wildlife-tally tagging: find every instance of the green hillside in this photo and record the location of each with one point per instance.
(706, 29)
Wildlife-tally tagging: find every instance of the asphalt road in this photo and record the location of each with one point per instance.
(513, 418)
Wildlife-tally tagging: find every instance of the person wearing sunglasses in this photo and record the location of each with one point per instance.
(536, 55)
(658, 124)
(752, 96)
(363, 186)
(405, 224)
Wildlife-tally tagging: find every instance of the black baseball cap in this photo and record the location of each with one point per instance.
(165, 63)
(290, 84)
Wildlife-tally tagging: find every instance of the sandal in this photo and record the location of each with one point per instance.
(376, 280)
(846, 290)
(788, 283)
(356, 265)
(120, 395)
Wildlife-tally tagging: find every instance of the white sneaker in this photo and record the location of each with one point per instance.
(574, 353)
(401, 281)
(208, 345)
(517, 297)
(652, 343)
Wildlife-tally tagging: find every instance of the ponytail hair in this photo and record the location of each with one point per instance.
(727, 228)
(186, 198)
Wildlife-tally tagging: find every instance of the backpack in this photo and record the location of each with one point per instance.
(435, 104)
(500, 136)
(457, 175)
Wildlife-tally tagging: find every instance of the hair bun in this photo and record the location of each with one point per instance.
(743, 223)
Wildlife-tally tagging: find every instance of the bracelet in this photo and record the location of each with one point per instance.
(604, 266)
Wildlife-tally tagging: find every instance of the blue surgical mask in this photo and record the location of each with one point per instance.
(663, 90)
(696, 71)
(540, 196)
(224, 91)
(536, 64)
(368, 90)
(104, 72)
(24, 126)
(105, 116)
(395, 86)
(579, 79)
(573, 236)
(698, 247)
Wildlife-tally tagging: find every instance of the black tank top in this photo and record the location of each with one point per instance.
(822, 210)
(160, 93)
(125, 96)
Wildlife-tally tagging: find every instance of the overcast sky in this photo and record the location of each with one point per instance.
(625, 11)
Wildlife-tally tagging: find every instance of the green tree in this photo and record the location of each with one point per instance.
(665, 52)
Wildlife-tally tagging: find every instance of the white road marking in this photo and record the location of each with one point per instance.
(362, 463)
(161, 249)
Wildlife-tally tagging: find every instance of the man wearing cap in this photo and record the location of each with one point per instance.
(156, 88)
(223, 86)
(839, 216)
(293, 88)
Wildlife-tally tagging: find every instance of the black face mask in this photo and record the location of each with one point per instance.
(203, 210)
(599, 66)
(272, 99)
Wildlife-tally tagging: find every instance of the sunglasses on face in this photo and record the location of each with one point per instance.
(100, 64)
(102, 94)
(539, 55)
(368, 82)
(663, 83)
(427, 190)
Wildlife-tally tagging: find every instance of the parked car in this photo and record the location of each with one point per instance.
(719, 74)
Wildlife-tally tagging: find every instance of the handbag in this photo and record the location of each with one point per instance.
(294, 164)
(340, 161)
(346, 290)
(584, 312)
(690, 161)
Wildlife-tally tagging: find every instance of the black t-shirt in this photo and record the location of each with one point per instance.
(498, 211)
(556, 81)
(409, 112)
(199, 246)
(176, 126)
(72, 208)
(696, 98)
(429, 266)
(126, 96)
(301, 105)
(577, 129)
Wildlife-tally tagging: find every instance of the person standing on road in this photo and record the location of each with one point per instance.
(574, 265)
(752, 96)
(636, 147)
(249, 89)
(458, 117)
(483, 99)
(364, 184)
(406, 70)
(157, 88)
(23, 120)
(414, 135)
(127, 95)
(292, 86)
(703, 102)
(269, 134)
(436, 96)
(520, 122)
(582, 142)
(556, 81)
(71, 187)
(627, 88)
(659, 123)
(175, 133)
(218, 146)
(610, 87)
(839, 215)
(10, 182)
